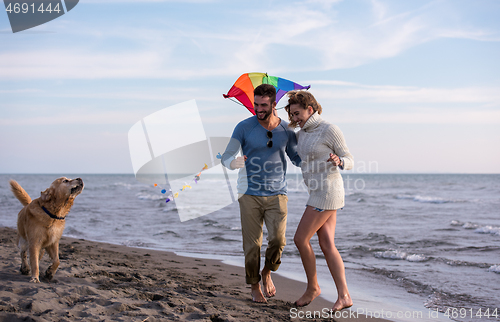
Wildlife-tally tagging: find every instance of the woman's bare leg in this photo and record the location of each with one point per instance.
(326, 236)
(311, 222)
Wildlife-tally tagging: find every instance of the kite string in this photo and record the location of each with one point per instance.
(173, 195)
(279, 108)
(235, 101)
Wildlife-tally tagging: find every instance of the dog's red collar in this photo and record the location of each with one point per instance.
(51, 215)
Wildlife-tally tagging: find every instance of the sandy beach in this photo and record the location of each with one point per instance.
(105, 282)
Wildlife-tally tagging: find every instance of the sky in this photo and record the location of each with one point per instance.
(413, 85)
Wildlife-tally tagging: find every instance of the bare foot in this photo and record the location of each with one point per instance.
(257, 295)
(308, 296)
(267, 282)
(342, 303)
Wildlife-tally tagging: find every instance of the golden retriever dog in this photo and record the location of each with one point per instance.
(40, 223)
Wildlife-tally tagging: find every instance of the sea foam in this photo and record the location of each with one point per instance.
(488, 230)
(428, 199)
(400, 255)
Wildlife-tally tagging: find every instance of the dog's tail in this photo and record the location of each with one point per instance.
(19, 192)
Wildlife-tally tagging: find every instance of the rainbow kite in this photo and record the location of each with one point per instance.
(242, 89)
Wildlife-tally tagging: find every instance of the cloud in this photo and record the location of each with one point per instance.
(146, 1)
(20, 91)
(338, 90)
(188, 50)
(426, 116)
(89, 118)
(317, 35)
(49, 64)
(359, 103)
(479, 35)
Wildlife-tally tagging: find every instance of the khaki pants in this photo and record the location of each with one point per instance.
(254, 210)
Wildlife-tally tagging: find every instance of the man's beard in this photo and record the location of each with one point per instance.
(266, 116)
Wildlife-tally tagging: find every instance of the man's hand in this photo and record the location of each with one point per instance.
(238, 163)
(334, 159)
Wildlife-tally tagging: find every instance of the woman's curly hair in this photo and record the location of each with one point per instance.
(304, 99)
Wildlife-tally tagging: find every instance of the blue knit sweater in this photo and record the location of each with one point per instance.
(265, 168)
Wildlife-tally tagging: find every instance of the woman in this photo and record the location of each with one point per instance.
(323, 151)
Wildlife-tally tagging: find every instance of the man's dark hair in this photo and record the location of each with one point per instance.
(266, 90)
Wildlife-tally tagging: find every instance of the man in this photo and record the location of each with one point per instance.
(264, 140)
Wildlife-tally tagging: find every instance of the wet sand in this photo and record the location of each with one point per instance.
(105, 282)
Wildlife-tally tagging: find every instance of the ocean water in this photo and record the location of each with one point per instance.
(410, 242)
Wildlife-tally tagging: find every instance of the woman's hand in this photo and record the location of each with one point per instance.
(334, 159)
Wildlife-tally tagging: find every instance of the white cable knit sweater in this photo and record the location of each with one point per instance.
(316, 140)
